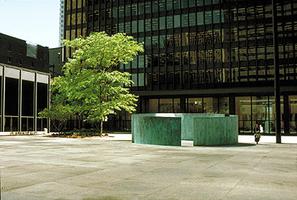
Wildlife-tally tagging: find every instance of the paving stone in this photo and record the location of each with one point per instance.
(34, 168)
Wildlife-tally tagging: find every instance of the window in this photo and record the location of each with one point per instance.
(140, 25)
(176, 4)
(31, 50)
(192, 19)
(155, 24)
(141, 79)
(185, 19)
(148, 7)
(169, 22)
(140, 9)
(141, 61)
(148, 25)
(162, 23)
(134, 26)
(200, 18)
(184, 4)
(176, 21)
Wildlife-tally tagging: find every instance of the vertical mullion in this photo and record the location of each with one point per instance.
(81, 18)
(189, 35)
(130, 17)
(166, 49)
(137, 58)
(118, 16)
(87, 17)
(151, 46)
(196, 44)
(293, 39)
(174, 42)
(265, 43)
(65, 28)
(256, 41)
(145, 50)
(238, 42)
(204, 45)
(124, 27)
(230, 42)
(212, 41)
(181, 79)
(106, 10)
(284, 61)
(70, 30)
(111, 25)
(247, 45)
(221, 41)
(99, 15)
(159, 71)
(93, 14)
(76, 13)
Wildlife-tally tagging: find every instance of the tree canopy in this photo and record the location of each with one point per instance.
(92, 84)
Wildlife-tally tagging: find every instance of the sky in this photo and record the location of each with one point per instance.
(36, 21)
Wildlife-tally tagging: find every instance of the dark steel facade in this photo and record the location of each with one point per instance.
(24, 85)
(202, 55)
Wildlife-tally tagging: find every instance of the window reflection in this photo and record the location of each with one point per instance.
(293, 114)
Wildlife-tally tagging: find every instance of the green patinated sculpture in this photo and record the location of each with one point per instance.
(170, 129)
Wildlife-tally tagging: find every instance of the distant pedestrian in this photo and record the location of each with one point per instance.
(258, 129)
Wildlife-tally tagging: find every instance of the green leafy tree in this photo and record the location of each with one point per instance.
(91, 84)
(59, 114)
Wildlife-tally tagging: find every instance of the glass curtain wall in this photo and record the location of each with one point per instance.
(11, 104)
(27, 105)
(190, 105)
(42, 97)
(75, 21)
(203, 43)
(194, 44)
(19, 102)
(257, 109)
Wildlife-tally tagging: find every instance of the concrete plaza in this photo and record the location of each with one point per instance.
(35, 168)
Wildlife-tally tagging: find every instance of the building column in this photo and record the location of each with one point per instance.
(35, 102)
(232, 105)
(48, 102)
(3, 100)
(183, 107)
(20, 101)
(276, 74)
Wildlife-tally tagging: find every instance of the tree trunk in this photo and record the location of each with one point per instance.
(101, 127)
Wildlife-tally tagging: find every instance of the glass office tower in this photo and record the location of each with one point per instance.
(214, 56)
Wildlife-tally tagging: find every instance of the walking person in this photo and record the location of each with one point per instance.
(257, 131)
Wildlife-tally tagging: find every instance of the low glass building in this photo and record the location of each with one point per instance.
(24, 85)
(214, 56)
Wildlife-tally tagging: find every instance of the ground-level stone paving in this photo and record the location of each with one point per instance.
(38, 168)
